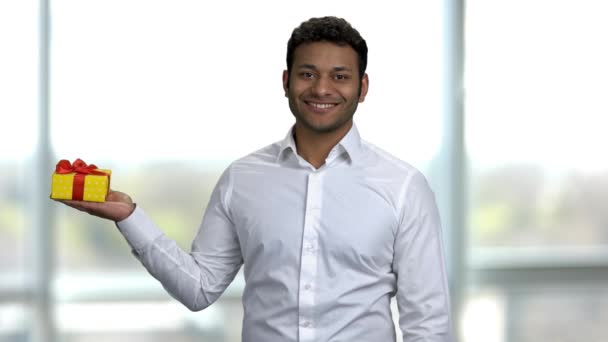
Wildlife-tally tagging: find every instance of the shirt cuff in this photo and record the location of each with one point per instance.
(138, 229)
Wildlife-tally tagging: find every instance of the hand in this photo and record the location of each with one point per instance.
(117, 207)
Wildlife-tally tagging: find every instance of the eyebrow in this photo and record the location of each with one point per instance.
(313, 67)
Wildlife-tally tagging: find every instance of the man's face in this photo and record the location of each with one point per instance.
(324, 86)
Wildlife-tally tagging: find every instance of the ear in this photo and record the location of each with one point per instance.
(364, 87)
(286, 81)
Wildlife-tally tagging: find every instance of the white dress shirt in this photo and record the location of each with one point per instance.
(323, 249)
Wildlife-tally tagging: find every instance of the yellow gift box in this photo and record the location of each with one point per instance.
(79, 181)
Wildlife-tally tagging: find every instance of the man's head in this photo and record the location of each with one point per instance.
(330, 29)
(325, 77)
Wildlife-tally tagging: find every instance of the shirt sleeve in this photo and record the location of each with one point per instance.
(422, 293)
(197, 278)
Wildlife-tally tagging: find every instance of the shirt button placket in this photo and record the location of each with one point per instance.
(309, 257)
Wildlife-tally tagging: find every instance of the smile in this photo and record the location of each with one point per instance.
(321, 105)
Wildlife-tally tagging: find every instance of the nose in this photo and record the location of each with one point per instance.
(322, 87)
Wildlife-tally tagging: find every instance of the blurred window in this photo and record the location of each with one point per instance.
(546, 313)
(167, 94)
(13, 321)
(535, 118)
(536, 113)
(18, 128)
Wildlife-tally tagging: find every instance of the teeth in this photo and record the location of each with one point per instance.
(322, 105)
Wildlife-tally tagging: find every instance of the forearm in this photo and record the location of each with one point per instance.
(423, 295)
(178, 271)
(427, 321)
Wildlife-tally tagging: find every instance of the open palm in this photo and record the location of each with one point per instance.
(117, 207)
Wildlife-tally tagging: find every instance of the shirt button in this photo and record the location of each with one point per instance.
(309, 248)
(307, 287)
(306, 324)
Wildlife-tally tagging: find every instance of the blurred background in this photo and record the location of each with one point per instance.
(502, 104)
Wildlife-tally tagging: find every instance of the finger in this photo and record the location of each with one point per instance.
(73, 204)
(76, 206)
(117, 196)
(82, 205)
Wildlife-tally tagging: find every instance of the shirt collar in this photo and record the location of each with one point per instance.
(351, 144)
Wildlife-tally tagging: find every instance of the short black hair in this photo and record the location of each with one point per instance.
(331, 29)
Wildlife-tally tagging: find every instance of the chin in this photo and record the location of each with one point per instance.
(324, 128)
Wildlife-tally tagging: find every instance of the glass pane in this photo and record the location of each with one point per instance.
(18, 112)
(536, 112)
(156, 103)
(557, 314)
(121, 88)
(13, 322)
(172, 89)
(149, 322)
(87, 243)
(12, 218)
(168, 94)
(483, 317)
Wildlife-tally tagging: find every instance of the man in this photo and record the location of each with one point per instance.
(327, 226)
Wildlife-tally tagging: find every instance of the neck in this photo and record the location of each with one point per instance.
(314, 147)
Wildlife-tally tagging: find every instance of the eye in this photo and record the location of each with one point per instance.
(307, 75)
(341, 77)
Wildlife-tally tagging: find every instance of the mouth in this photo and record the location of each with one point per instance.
(320, 107)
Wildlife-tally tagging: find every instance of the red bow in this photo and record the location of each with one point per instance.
(79, 166)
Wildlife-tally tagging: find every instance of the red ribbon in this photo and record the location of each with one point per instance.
(82, 170)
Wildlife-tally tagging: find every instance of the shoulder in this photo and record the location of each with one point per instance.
(406, 182)
(264, 156)
(403, 185)
(378, 159)
(254, 164)
(266, 153)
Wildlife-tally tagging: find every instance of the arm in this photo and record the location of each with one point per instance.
(196, 279)
(422, 293)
